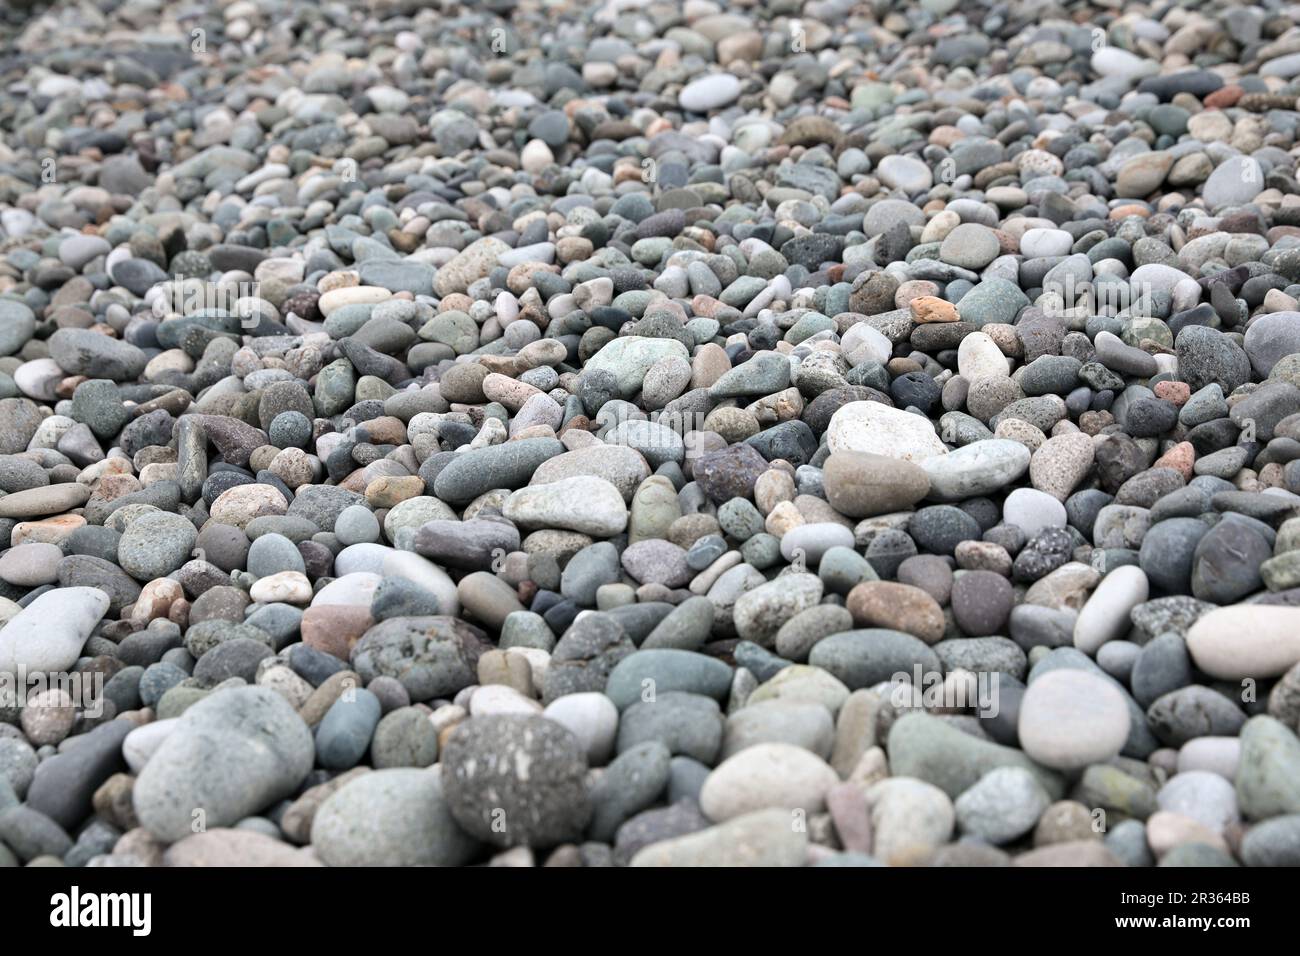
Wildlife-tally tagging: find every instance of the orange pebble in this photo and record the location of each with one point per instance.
(1224, 97)
(1176, 392)
(1180, 458)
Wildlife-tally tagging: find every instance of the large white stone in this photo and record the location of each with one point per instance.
(284, 587)
(351, 295)
(1032, 510)
(709, 92)
(140, 744)
(978, 357)
(907, 173)
(1106, 615)
(1113, 61)
(1045, 242)
(1070, 718)
(767, 775)
(364, 558)
(862, 343)
(38, 379)
(882, 430)
(48, 634)
(593, 719)
(583, 503)
(979, 468)
(909, 818)
(1246, 640)
(355, 590)
(1155, 277)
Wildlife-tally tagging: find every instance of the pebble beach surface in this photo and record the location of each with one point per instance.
(650, 434)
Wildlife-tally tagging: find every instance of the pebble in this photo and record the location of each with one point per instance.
(862, 484)
(656, 671)
(155, 544)
(905, 173)
(585, 504)
(767, 775)
(880, 430)
(759, 613)
(1002, 806)
(514, 780)
(909, 820)
(592, 718)
(1105, 616)
(758, 839)
(976, 470)
(390, 817)
(1032, 511)
(230, 755)
(1246, 641)
(31, 565)
(48, 634)
(709, 93)
(1070, 718)
(344, 733)
(1266, 784)
(805, 725)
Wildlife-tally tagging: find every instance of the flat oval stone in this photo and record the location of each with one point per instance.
(1246, 640)
(1070, 718)
(862, 484)
(767, 775)
(977, 469)
(659, 671)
